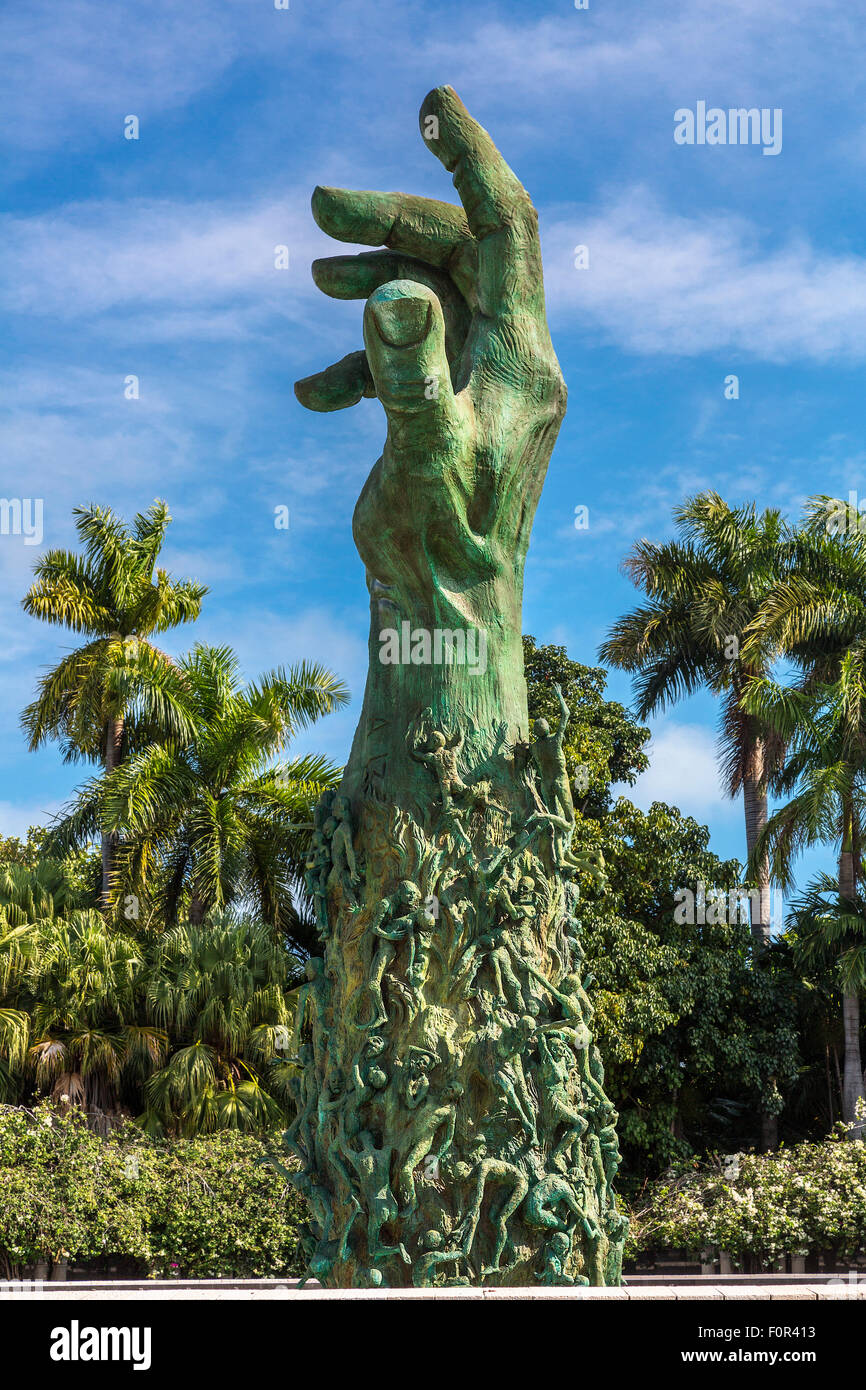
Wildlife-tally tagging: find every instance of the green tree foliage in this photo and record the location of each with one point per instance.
(215, 818)
(799, 1200)
(153, 977)
(16, 851)
(816, 615)
(193, 1208)
(187, 1030)
(827, 931)
(218, 991)
(118, 691)
(704, 593)
(78, 871)
(603, 744)
(695, 1039)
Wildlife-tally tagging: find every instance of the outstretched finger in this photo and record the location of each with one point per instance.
(356, 277)
(338, 386)
(498, 208)
(432, 231)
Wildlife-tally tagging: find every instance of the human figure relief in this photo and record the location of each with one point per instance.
(401, 917)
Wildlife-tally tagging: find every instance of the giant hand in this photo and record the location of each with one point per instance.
(438, 798)
(458, 351)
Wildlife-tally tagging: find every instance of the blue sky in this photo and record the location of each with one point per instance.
(155, 257)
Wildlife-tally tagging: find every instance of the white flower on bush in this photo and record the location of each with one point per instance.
(796, 1200)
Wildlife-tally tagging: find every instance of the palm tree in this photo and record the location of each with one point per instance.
(218, 990)
(212, 819)
(109, 696)
(17, 948)
(68, 989)
(30, 902)
(87, 1045)
(705, 591)
(830, 930)
(815, 615)
(188, 1029)
(816, 609)
(33, 897)
(824, 726)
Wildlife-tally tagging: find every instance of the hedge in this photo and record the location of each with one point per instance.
(798, 1201)
(195, 1208)
(211, 1207)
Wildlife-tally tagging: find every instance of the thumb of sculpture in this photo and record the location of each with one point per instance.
(404, 335)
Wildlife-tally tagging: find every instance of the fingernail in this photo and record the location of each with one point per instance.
(401, 322)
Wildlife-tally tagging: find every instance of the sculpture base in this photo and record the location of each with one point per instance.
(453, 1128)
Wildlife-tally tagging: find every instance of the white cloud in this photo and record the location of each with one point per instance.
(683, 771)
(663, 283)
(658, 282)
(17, 817)
(636, 51)
(202, 261)
(74, 71)
(83, 66)
(317, 633)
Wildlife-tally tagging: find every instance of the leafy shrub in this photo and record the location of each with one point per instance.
(197, 1208)
(797, 1201)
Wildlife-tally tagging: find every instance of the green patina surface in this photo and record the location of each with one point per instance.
(452, 1120)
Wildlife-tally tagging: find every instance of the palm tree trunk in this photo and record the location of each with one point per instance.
(769, 1131)
(755, 806)
(113, 746)
(852, 1081)
(196, 911)
(852, 1078)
